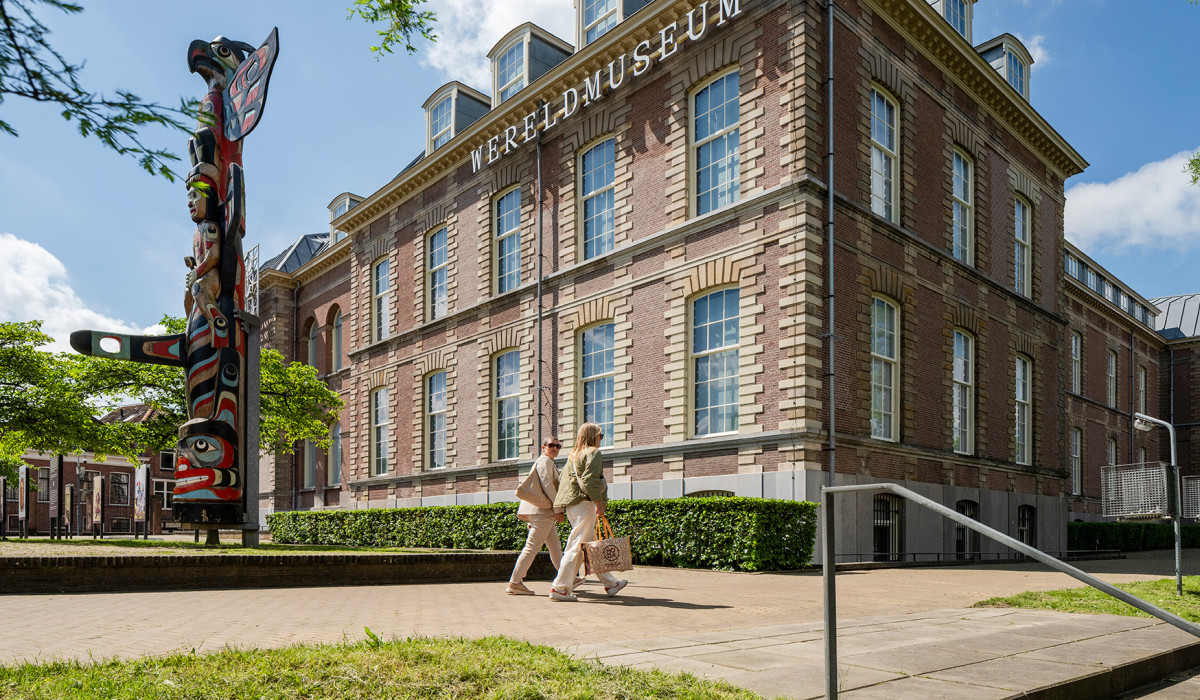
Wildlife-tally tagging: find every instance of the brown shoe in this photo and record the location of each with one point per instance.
(518, 589)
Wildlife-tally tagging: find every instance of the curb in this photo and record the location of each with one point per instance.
(1119, 679)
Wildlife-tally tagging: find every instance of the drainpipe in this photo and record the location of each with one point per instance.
(295, 351)
(1133, 407)
(539, 293)
(830, 337)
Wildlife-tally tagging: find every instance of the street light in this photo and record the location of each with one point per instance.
(1145, 423)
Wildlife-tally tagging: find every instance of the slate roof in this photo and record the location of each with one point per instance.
(1179, 316)
(304, 249)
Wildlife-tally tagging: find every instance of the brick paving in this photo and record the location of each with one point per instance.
(902, 630)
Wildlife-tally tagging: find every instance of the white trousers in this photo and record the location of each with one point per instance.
(583, 529)
(541, 531)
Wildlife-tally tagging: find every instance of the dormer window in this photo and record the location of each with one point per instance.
(522, 56)
(510, 71)
(599, 16)
(449, 110)
(957, 13)
(341, 204)
(441, 126)
(1014, 72)
(1010, 58)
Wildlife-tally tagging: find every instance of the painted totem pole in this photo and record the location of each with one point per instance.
(210, 479)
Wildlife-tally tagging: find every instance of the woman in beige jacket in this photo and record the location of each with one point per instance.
(540, 520)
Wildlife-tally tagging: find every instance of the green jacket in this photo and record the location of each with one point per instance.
(591, 473)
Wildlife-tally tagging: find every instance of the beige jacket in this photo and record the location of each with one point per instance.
(548, 475)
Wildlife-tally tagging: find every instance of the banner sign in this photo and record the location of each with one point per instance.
(22, 496)
(55, 479)
(139, 493)
(97, 499)
(66, 512)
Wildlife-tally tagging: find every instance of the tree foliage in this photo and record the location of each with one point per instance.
(404, 21)
(49, 402)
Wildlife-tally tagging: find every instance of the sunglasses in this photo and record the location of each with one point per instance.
(555, 445)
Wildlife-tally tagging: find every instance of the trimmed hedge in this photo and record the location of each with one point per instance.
(738, 534)
(1129, 537)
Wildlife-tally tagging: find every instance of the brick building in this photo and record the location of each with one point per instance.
(633, 230)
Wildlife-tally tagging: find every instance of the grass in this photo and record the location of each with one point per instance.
(492, 667)
(231, 547)
(1091, 601)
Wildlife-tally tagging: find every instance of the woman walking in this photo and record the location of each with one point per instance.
(582, 494)
(540, 519)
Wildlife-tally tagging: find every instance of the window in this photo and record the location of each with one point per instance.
(888, 536)
(1022, 277)
(599, 16)
(963, 211)
(715, 332)
(441, 122)
(165, 490)
(336, 344)
(380, 312)
(1093, 280)
(956, 15)
(11, 487)
(312, 344)
(166, 460)
(333, 470)
(43, 485)
(1027, 525)
(966, 540)
(1141, 389)
(597, 168)
(884, 361)
(883, 155)
(508, 240)
(1022, 419)
(964, 393)
(715, 136)
(1073, 267)
(598, 372)
(510, 71)
(1014, 71)
(508, 405)
(435, 420)
(1076, 461)
(118, 489)
(379, 431)
(436, 279)
(1111, 449)
(309, 478)
(120, 524)
(1111, 379)
(1076, 362)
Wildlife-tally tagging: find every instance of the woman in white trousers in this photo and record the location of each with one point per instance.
(582, 493)
(540, 520)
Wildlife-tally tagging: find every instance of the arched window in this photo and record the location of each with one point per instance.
(963, 208)
(380, 424)
(1022, 249)
(435, 280)
(380, 310)
(309, 478)
(885, 375)
(335, 345)
(507, 234)
(1076, 362)
(333, 467)
(435, 420)
(506, 403)
(884, 155)
(596, 374)
(312, 344)
(715, 329)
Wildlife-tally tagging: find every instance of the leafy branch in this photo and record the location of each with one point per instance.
(403, 22)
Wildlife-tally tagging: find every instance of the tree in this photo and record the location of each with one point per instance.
(30, 67)
(48, 402)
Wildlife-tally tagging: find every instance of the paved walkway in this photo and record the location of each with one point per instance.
(904, 632)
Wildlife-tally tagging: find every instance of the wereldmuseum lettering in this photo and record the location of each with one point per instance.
(643, 57)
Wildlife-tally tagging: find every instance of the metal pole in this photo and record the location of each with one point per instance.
(541, 258)
(828, 572)
(1177, 510)
(830, 374)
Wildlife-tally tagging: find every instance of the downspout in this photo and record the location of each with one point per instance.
(830, 373)
(295, 351)
(1133, 390)
(539, 294)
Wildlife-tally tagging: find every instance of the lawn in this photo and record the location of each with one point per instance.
(493, 667)
(1093, 602)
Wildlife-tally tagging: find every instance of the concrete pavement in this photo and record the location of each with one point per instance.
(902, 632)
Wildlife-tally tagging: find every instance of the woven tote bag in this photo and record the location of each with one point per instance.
(608, 554)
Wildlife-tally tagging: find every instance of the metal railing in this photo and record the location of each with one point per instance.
(829, 572)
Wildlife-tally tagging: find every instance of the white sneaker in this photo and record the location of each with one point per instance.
(616, 588)
(565, 597)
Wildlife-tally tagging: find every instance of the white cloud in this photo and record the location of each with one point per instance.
(1154, 205)
(468, 29)
(34, 285)
(1037, 50)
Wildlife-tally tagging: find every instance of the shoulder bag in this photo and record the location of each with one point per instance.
(531, 491)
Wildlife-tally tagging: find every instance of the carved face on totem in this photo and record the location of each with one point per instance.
(197, 203)
(206, 463)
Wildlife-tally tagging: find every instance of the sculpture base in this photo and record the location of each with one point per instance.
(209, 515)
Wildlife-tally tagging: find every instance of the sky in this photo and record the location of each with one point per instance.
(89, 240)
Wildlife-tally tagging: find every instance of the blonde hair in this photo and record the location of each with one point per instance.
(589, 434)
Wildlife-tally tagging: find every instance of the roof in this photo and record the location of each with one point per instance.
(134, 413)
(304, 249)
(1179, 316)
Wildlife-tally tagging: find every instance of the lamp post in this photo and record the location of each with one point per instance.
(1145, 423)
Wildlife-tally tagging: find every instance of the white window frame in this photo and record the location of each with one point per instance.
(1022, 247)
(336, 342)
(308, 478)
(1076, 461)
(730, 132)
(518, 81)
(729, 350)
(1018, 81)
(958, 12)
(437, 267)
(1112, 365)
(439, 136)
(600, 21)
(885, 412)
(1076, 362)
(600, 411)
(1023, 416)
(1141, 389)
(963, 377)
(381, 313)
(380, 428)
(333, 465)
(499, 400)
(595, 194)
(885, 158)
(501, 236)
(435, 420)
(166, 489)
(962, 207)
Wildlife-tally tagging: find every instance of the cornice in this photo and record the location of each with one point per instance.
(928, 30)
(1106, 308)
(320, 264)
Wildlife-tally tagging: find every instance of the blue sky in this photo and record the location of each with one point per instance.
(88, 240)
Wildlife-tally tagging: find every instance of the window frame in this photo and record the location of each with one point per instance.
(967, 542)
(892, 154)
(1076, 453)
(333, 463)
(312, 344)
(43, 484)
(1022, 247)
(893, 410)
(1023, 421)
(585, 27)
(608, 375)
(308, 475)
(1141, 388)
(1076, 362)
(431, 415)
(499, 451)
(381, 313)
(167, 491)
(695, 356)
(1112, 450)
(964, 203)
(1027, 525)
(380, 427)
(432, 312)
(967, 387)
(498, 89)
(585, 196)
(893, 506)
(431, 123)
(335, 342)
(498, 237)
(1020, 84)
(1111, 372)
(695, 145)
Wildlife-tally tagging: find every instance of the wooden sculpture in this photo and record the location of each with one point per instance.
(209, 487)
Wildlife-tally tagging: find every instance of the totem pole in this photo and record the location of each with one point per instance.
(209, 457)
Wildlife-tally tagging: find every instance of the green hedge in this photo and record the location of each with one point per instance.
(739, 534)
(1129, 537)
